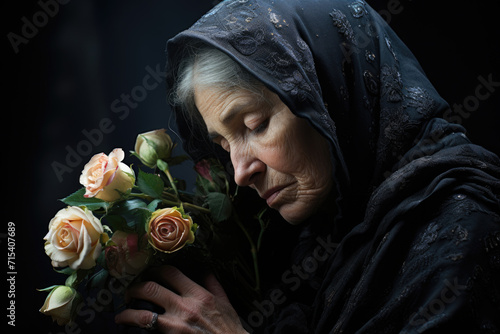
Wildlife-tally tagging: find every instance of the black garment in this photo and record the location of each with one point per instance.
(418, 204)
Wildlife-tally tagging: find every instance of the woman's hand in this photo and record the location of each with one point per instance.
(189, 307)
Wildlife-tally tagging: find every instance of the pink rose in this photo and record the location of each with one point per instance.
(125, 258)
(169, 231)
(203, 168)
(106, 177)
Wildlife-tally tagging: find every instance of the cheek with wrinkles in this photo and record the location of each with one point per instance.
(305, 155)
(276, 148)
(291, 149)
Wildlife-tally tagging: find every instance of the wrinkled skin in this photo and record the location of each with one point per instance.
(189, 307)
(273, 151)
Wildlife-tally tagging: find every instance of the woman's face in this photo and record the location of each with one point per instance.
(273, 151)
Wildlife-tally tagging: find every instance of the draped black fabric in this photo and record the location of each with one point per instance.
(417, 219)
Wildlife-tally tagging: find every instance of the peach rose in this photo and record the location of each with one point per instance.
(74, 238)
(125, 258)
(106, 177)
(169, 231)
(59, 304)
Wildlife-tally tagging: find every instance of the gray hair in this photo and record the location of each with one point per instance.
(206, 66)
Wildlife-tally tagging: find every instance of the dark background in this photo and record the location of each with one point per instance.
(65, 79)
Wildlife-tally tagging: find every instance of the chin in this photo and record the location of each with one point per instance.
(294, 214)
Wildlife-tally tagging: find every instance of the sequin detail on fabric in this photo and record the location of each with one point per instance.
(428, 237)
(341, 22)
(418, 98)
(392, 83)
(371, 83)
(357, 9)
(388, 43)
(370, 56)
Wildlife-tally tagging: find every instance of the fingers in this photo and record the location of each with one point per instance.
(188, 306)
(139, 318)
(165, 323)
(214, 287)
(177, 281)
(154, 293)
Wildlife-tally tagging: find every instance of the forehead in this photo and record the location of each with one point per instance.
(219, 106)
(214, 100)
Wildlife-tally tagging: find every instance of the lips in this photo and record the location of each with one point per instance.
(271, 194)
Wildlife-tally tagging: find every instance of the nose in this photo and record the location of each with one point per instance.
(247, 166)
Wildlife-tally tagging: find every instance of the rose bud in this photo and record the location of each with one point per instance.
(169, 231)
(106, 177)
(203, 168)
(59, 304)
(153, 145)
(74, 238)
(125, 258)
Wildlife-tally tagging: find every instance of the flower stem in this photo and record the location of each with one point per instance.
(163, 166)
(173, 202)
(186, 205)
(172, 182)
(195, 207)
(253, 251)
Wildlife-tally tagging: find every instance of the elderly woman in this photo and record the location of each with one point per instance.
(325, 113)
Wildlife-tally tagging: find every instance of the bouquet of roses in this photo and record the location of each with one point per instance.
(122, 222)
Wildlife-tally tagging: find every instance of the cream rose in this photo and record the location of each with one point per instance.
(59, 304)
(169, 231)
(125, 257)
(106, 177)
(74, 238)
(153, 145)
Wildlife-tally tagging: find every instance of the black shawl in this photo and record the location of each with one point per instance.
(418, 204)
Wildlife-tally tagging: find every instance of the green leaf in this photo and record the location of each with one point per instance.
(65, 271)
(134, 212)
(50, 288)
(153, 205)
(220, 206)
(101, 259)
(76, 277)
(204, 186)
(92, 203)
(150, 184)
(98, 280)
(117, 222)
(71, 279)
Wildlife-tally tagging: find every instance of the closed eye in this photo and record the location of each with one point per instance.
(261, 127)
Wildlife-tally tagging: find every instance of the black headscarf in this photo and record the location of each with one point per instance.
(418, 201)
(335, 63)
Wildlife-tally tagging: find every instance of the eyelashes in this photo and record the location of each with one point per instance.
(261, 127)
